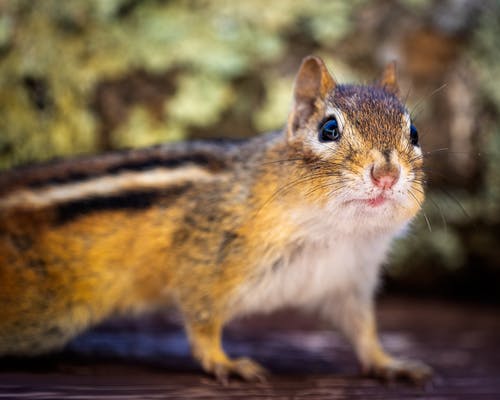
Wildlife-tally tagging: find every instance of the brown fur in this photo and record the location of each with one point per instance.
(193, 244)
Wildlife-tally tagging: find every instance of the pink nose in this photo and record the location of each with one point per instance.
(384, 178)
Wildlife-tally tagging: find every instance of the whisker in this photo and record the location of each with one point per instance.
(445, 224)
(418, 190)
(433, 171)
(425, 98)
(284, 160)
(292, 184)
(405, 99)
(455, 200)
(327, 185)
(423, 212)
(426, 153)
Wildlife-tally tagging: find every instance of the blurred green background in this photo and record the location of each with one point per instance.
(85, 76)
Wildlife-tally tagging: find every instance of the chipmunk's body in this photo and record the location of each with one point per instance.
(219, 229)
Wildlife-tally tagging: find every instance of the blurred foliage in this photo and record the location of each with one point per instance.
(454, 250)
(84, 76)
(55, 54)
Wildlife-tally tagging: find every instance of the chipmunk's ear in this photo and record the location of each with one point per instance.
(389, 80)
(312, 85)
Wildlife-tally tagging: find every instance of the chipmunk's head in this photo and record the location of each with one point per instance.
(359, 145)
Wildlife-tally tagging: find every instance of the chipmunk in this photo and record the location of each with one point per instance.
(303, 217)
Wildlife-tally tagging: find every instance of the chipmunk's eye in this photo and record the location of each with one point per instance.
(329, 130)
(413, 135)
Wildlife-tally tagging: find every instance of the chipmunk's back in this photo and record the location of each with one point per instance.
(82, 238)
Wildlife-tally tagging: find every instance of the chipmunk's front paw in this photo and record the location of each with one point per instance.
(244, 368)
(414, 371)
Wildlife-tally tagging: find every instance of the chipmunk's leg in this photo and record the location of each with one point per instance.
(355, 317)
(205, 336)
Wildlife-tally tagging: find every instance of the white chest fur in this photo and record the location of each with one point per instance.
(307, 275)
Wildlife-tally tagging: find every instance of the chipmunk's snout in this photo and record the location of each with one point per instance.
(385, 170)
(385, 176)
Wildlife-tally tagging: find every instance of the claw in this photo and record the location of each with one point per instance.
(249, 370)
(414, 371)
(243, 368)
(221, 374)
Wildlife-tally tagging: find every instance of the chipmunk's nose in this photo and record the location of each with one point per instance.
(385, 176)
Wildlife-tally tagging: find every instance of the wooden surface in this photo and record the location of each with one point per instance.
(149, 359)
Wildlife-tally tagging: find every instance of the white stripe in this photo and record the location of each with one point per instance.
(106, 185)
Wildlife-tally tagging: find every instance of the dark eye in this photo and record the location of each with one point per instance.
(329, 130)
(413, 135)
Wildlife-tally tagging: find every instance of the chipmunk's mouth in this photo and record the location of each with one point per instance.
(376, 201)
(372, 202)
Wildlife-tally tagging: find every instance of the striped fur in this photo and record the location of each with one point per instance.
(213, 156)
(102, 186)
(114, 174)
(219, 229)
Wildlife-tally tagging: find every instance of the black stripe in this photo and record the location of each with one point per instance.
(69, 177)
(210, 154)
(228, 239)
(203, 160)
(133, 200)
(387, 155)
